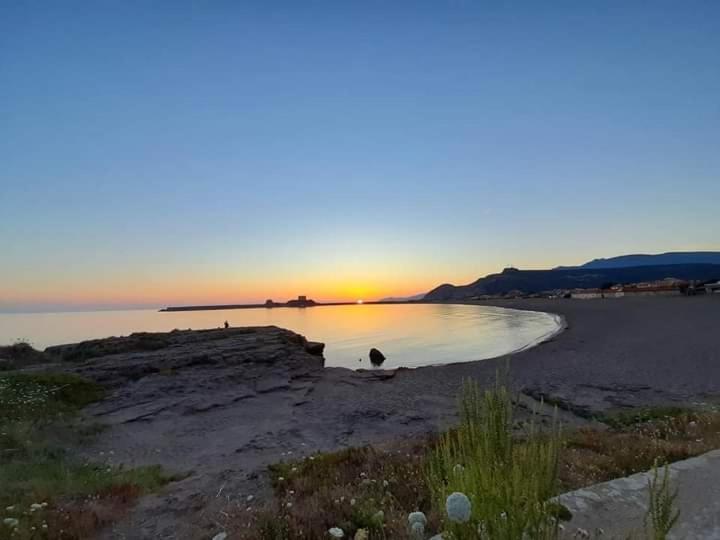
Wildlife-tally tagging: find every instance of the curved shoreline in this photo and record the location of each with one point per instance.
(455, 334)
(232, 408)
(561, 327)
(560, 321)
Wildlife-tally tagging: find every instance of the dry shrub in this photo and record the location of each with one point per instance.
(344, 489)
(592, 456)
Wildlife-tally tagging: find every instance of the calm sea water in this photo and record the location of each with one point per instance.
(409, 335)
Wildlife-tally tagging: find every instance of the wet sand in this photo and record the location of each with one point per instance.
(613, 353)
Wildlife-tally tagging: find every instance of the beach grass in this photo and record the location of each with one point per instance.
(48, 493)
(505, 482)
(374, 488)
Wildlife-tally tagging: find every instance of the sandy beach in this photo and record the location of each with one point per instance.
(226, 422)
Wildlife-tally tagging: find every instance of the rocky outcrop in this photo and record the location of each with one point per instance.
(314, 347)
(247, 354)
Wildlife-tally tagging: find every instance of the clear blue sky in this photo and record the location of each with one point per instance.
(164, 152)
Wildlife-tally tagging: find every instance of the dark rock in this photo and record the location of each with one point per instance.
(376, 357)
(314, 347)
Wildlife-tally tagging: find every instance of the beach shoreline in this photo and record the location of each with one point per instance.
(228, 407)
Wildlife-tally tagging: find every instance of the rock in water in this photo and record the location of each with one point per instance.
(376, 357)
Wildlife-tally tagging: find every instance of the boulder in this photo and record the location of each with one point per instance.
(314, 347)
(376, 357)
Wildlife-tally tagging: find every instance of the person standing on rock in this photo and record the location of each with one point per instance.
(227, 325)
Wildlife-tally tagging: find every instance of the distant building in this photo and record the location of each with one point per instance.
(302, 301)
(663, 287)
(586, 294)
(269, 303)
(712, 288)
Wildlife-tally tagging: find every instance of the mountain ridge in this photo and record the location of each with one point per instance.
(645, 259)
(535, 281)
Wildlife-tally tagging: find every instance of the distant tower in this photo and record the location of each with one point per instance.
(302, 298)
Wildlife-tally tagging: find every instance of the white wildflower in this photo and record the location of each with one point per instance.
(336, 532)
(417, 517)
(220, 536)
(458, 507)
(417, 531)
(11, 522)
(458, 469)
(352, 502)
(249, 498)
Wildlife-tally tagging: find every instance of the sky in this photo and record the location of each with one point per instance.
(171, 152)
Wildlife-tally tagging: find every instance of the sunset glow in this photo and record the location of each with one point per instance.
(344, 153)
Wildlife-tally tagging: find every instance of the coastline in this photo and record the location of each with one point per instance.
(227, 408)
(310, 304)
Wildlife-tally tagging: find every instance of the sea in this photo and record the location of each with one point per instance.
(409, 335)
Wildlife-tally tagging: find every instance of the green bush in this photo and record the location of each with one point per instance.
(509, 482)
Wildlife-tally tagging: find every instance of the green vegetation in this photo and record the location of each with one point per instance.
(624, 419)
(46, 492)
(356, 488)
(590, 456)
(44, 396)
(661, 515)
(507, 478)
(508, 482)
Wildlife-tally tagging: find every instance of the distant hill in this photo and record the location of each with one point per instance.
(662, 259)
(533, 281)
(403, 298)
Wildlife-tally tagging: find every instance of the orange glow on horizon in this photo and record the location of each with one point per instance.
(187, 293)
(338, 283)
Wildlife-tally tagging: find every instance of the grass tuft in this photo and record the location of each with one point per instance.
(508, 482)
(662, 513)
